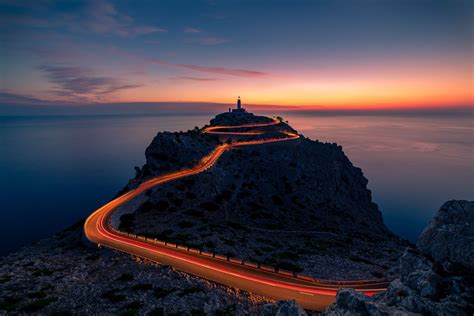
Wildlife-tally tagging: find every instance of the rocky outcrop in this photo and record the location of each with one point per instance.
(304, 192)
(436, 277)
(172, 151)
(238, 118)
(449, 239)
(298, 205)
(62, 276)
(283, 308)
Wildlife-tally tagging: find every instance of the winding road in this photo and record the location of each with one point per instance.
(310, 293)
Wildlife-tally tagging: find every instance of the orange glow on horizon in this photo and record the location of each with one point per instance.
(404, 83)
(387, 90)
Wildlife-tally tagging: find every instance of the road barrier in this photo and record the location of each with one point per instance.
(287, 273)
(199, 252)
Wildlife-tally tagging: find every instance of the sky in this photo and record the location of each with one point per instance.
(331, 54)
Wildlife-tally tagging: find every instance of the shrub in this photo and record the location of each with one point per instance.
(159, 311)
(93, 257)
(125, 277)
(161, 205)
(142, 287)
(190, 195)
(190, 290)
(127, 222)
(289, 266)
(229, 242)
(61, 313)
(198, 312)
(145, 207)
(113, 297)
(9, 303)
(209, 244)
(135, 305)
(39, 304)
(236, 226)
(178, 202)
(5, 279)
(39, 294)
(160, 292)
(194, 213)
(277, 200)
(180, 187)
(209, 206)
(185, 224)
(289, 255)
(43, 272)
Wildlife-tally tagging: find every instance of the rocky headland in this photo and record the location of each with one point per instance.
(299, 205)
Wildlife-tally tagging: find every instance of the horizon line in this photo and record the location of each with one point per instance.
(296, 107)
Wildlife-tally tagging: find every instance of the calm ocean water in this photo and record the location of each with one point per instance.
(57, 170)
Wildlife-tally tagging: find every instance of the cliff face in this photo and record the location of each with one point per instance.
(299, 205)
(298, 185)
(436, 277)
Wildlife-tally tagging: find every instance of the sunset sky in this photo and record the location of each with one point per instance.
(334, 54)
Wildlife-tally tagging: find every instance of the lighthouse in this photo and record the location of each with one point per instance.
(239, 105)
(239, 108)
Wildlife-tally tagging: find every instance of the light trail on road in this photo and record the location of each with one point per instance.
(279, 285)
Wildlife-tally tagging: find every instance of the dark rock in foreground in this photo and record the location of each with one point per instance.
(436, 277)
(62, 276)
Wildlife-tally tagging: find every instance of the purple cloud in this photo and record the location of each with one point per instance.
(103, 17)
(196, 78)
(209, 40)
(224, 71)
(8, 98)
(98, 16)
(237, 72)
(191, 30)
(81, 83)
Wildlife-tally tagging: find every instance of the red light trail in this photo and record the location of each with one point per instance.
(310, 293)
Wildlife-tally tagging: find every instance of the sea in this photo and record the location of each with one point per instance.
(57, 169)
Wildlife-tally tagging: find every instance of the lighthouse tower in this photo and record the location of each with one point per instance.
(239, 108)
(239, 105)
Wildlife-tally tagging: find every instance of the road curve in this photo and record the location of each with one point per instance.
(310, 293)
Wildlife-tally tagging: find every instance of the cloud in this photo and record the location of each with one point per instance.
(196, 78)
(139, 30)
(103, 17)
(237, 72)
(8, 98)
(81, 83)
(224, 71)
(97, 16)
(209, 40)
(191, 30)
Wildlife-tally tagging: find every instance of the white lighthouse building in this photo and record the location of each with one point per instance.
(239, 108)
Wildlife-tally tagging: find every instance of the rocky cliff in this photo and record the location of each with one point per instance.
(298, 205)
(436, 277)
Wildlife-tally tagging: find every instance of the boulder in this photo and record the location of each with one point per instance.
(449, 238)
(283, 308)
(435, 277)
(289, 308)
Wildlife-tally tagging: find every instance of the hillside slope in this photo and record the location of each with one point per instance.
(299, 205)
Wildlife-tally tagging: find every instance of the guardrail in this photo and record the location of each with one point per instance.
(236, 261)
